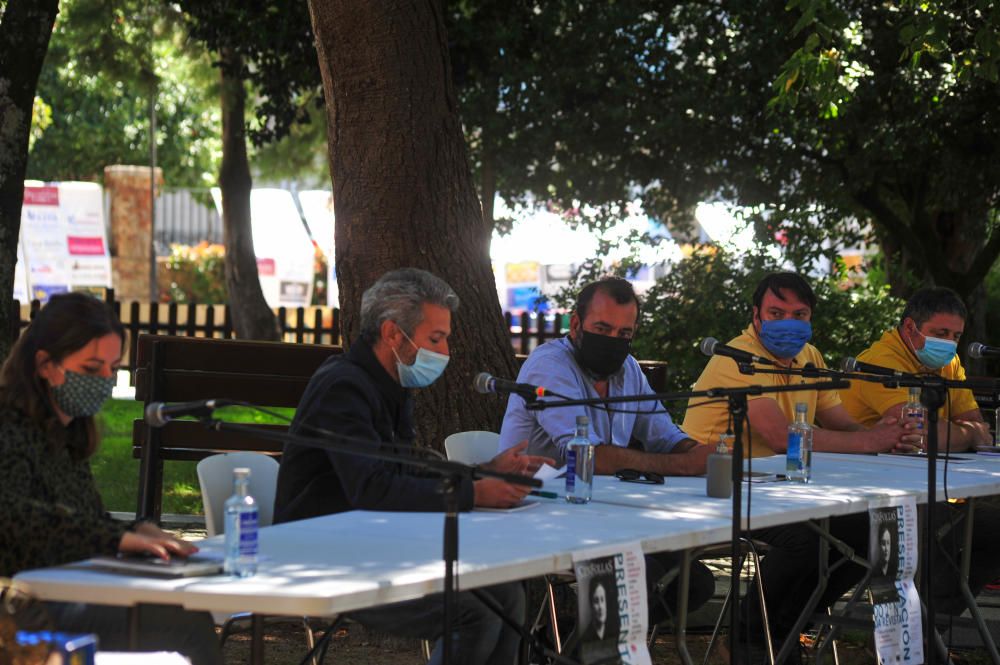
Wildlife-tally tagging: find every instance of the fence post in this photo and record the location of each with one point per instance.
(525, 338)
(335, 330)
(283, 321)
(192, 318)
(300, 327)
(210, 321)
(318, 325)
(227, 322)
(172, 318)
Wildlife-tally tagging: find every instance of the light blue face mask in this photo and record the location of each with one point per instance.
(785, 337)
(424, 371)
(937, 352)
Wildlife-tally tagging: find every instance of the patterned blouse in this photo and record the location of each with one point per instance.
(50, 510)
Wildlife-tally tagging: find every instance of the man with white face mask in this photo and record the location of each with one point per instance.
(924, 342)
(363, 394)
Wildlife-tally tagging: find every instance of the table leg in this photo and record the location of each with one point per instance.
(133, 627)
(256, 640)
(680, 627)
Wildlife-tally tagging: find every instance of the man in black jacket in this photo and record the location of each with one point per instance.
(405, 325)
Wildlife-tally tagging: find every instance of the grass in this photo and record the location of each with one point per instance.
(117, 472)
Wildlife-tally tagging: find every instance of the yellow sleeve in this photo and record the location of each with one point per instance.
(827, 399)
(962, 400)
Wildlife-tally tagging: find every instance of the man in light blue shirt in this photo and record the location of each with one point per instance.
(594, 361)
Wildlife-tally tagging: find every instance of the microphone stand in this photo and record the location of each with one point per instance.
(933, 391)
(737, 398)
(451, 474)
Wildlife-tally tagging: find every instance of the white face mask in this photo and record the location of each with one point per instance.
(426, 368)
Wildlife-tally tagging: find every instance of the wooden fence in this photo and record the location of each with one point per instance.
(301, 325)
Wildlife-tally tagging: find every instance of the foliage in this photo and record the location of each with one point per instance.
(597, 102)
(99, 75)
(41, 118)
(194, 274)
(709, 293)
(274, 40)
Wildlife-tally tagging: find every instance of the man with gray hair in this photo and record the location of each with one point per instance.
(405, 326)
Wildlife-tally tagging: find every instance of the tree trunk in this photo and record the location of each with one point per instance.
(25, 30)
(252, 318)
(403, 191)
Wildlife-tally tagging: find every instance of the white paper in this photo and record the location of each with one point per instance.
(546, 472)
(612, 606)
(896, 604)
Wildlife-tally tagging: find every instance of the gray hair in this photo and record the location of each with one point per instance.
(399, 296)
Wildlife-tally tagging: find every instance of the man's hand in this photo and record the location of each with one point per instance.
(513, 461)
(495, 493)
(889, 434)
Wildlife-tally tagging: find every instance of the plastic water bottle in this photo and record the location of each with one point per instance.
(915, 413)
(580, 464)
(798, 460)
(241, 528)
(719, 467)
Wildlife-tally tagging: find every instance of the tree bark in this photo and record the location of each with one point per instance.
(252, 318)
(25, 30)
(403, 190)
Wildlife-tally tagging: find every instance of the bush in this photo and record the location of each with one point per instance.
(194, 274)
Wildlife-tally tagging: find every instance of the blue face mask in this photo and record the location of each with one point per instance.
(424, 371)
(785, 337)
(937, 352)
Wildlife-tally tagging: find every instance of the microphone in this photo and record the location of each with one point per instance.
(713, 347)
(486, 383)
(854, 365)
(159, 414)
(980, 350)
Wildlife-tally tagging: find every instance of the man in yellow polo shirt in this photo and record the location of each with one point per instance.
(780, 330)
(925, 342)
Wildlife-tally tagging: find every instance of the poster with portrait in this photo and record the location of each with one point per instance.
(892, 552)
(611, 601)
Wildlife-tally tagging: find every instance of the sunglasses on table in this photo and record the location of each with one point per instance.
(635, 476)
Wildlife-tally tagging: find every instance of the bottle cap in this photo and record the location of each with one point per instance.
(801, 407)
(582, 420)
(241, 472)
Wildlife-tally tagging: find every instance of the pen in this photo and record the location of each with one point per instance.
(544, 495)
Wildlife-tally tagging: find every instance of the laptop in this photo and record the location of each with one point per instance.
(140, 564)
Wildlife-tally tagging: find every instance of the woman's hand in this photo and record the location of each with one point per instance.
(151, 539)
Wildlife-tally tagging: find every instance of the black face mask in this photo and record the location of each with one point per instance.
(601, 355)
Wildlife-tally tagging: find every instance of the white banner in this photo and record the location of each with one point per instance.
(63, 243)
(896, 604)
(612, 606)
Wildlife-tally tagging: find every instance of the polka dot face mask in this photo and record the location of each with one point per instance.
(82, 395)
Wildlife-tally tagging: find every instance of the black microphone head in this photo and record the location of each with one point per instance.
(153, 416)
(483, 383)
(708, 345)
(975, 349)
(849, 364)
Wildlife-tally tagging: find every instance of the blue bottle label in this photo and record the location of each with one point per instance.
(248, 533)
(795, 446)
(570, 470)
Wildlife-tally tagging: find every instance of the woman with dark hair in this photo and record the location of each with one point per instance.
(56, 378)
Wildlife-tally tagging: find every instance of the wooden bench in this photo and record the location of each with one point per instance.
(181, 369)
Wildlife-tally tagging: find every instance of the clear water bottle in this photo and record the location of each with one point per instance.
(241, 528)
(798, 460)
(915, 413)
(580, 464)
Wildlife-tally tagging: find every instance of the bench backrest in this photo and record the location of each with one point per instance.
(179, 369)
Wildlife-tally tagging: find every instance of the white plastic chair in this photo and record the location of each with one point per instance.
(472, 447)
(215, 477)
